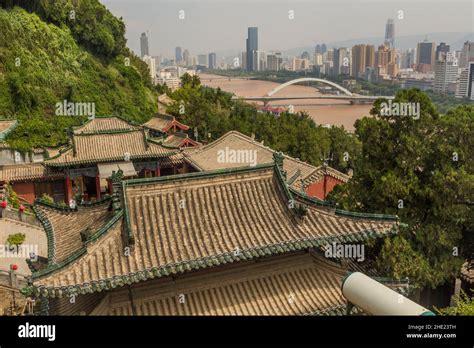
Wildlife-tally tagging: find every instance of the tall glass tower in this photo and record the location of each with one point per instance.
(390, 33)
(252, 45)
(144, 45)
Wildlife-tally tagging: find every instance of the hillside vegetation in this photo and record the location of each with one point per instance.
(46, 57)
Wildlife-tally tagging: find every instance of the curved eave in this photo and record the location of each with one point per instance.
(203, 263)
(105, 160)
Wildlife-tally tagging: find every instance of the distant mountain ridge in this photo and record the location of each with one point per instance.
(456, 41)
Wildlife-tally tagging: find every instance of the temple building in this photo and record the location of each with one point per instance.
(81, 170)
(230, 241)
(235, 149)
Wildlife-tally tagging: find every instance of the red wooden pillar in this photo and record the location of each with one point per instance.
(158, 171)
(109, 184)
(97, 186)
(68, 189)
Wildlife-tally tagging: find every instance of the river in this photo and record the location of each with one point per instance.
(322, 111)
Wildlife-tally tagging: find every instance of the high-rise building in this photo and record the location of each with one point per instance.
(186, 58)
(445, 72)
(390, 33)
(274, 61)
(407, 60)
(259, 60)
(382, 56)
(425, 56)
(320, 48)
(243, 63)
(252, 45)
(341, 61)
(467, 53)
(466, 82)
(202, 59)
(359, 54)
(178, 54)
(318, 59)
(212, 61)
(298, 64)
(370, 56)
(151, 62)
(441, 50)
(144, 51)
(305, 55)
(330, 54)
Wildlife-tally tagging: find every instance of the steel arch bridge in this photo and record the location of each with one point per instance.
(304, 79)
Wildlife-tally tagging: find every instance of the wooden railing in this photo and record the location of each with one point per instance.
(13, 279)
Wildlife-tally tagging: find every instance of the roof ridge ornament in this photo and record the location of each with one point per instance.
(116, 179)
(298, 209)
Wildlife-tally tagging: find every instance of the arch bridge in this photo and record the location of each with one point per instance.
(304, 79)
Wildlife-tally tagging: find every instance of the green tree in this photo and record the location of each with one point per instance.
(422, 170)
(464, 306)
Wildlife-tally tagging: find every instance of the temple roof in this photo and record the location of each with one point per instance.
(192, 221)
(163, 123)
(104, 124)
(285, 285)
(64, 226)
(207, 158)
(108, 146)
(178, 140)
(26, 172)
(6, 126)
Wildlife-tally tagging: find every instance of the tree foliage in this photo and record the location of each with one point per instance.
(423, 171)
(42, 64)
(464, 306)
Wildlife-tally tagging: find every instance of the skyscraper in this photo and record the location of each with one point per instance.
(445, 72)
(274, 61)
(186, 58)
(202, 59)
(341, 61)
(144, 45)
(212, 61)
(252, 45)
(466, 82)
(370, 56)
(178, 54)
(441, 50)
(467, 53)
(359, 54)
(390, 33)
(151, 62)
(425, 56)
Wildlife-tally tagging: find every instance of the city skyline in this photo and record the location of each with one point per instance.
(221, 31)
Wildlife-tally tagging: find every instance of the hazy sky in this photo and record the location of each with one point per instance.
(217, 25)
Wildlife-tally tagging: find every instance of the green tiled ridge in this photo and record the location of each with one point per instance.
(7, 131)
(342, 212)
(52, 265)
(206, 262)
